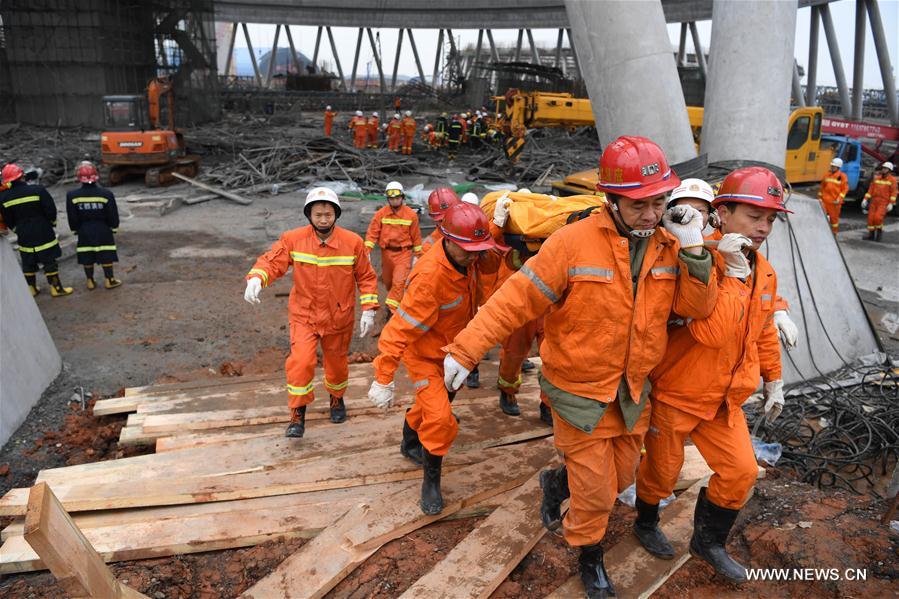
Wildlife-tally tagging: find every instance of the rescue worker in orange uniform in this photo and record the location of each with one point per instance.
(409, 127)
(440, 299)
(606, 285)
(834, 188)
(439, 201)
(394, 133)
(329, 262)
(879, 200)
(359, 128)
(373, 130)
(329, 120)
(711, 366)
(394, 228)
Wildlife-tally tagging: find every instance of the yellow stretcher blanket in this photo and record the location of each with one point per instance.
(536, 215)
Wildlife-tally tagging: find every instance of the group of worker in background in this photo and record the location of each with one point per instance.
(879, 199)
(399, 131)
(28, 209)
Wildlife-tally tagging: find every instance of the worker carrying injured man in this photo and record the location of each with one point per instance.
(329, 263)
(394, 228)
(440, 299)
(880, 199)
(28, 209)
(710, 368)
(606, 284)
(833, 190)
(94, 218)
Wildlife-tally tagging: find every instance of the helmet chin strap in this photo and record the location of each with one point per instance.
(627, 229)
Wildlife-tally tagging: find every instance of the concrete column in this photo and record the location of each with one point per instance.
(700, 54)
(437, 59)
(336, 58)
(396, 61)
(293, 51)
(626, 60)
(233, 38)
(558, 60)
(356, 60)
(518, 46)
(272, 57)
(574, 56)
(246, 36)
(811, 83)
(836, 60)
(421, 73)
(747, 96)
(318, 43)
(535, 56)
(858, 63)
(797, 86)
(377, 55)
(477, 52)
(682, 44)
(883, 58)
(494, 55)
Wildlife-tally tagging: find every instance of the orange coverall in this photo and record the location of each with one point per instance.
(712, 365)
(329, 121)
(394, 134)
(431, 240)
(322, 303)
(409, 127)
(373, 124)
(359, 127)
(881, 193)
(438, 303)
(398, 235)
(600, 332)
(834, 187)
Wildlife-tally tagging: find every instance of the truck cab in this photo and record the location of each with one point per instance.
(850, 151)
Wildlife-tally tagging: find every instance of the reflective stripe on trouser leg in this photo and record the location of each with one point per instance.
(300, 365)
(431, 415)
(600, 465)
(335, 347)
(401, 263)
(515, 349)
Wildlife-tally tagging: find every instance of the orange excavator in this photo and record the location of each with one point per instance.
(141, 139)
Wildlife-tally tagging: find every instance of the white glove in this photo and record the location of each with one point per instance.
(786, 329)
(865, 206)
(454, 374)
(685, 223)
(254, 286)
(731, 249)
(366, 322)
(774, 400)
(381, 395)
(501, 210)
(890, 207)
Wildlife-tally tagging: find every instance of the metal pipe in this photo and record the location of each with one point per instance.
(356, 61)
(558, 59)
(437, 59)
(318, 41)
(797, 86)
(377, 56)
(230, 49)
(518, 45)
(858, 63)
(883, 58)
(396, 61)
(421, 72)
(697, 48)
(272, 57)
(246, 35)
(336, 58)
(811, 82)
(535, 56)
(682, 45)
(293, 50)
(835, 59)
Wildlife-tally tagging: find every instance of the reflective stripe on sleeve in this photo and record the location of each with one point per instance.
(543, 287)
(368, 298)
(261, 273)
(370, 244)
(410, 319)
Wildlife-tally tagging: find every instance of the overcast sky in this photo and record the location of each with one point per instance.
(843, 14)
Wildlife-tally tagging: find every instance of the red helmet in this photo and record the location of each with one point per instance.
(466, 225)
(439, 202)
(636, 168)
(12, 172)
(753, 185)
(87, 173)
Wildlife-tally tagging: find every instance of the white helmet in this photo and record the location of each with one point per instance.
(408, 113)
(375, 113)
(524, 190)
(396, 115)
(692, 188)
(887, 165)
(470, 198)
(396, 187)
(837, 162)
(328, 107)
(321, 194)
(358, 113)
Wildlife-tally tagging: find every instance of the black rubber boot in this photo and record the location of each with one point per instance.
(411, 446)
(878, 234)
(338, 410)
(297, 426)
(646, 527)
(431, 499)
(554, 482)
(870, 236)
(711, 525)
(546, 415)
(527, 366)
(593, 573)
(509, 404)
(473, 380)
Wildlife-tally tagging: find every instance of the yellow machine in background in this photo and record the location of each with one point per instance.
(519, 111)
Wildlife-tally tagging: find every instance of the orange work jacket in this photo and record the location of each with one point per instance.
(325, 275)
(394, 230)
(834, 187)
(882, 189)
(409, 126)
(394, 128)
(431, 240)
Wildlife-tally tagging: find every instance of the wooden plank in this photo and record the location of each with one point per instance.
(483, 559)
(323, 562)
(68, 555)
(225, 194)
(633, 570)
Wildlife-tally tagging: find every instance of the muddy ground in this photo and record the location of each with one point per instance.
(180, 315)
